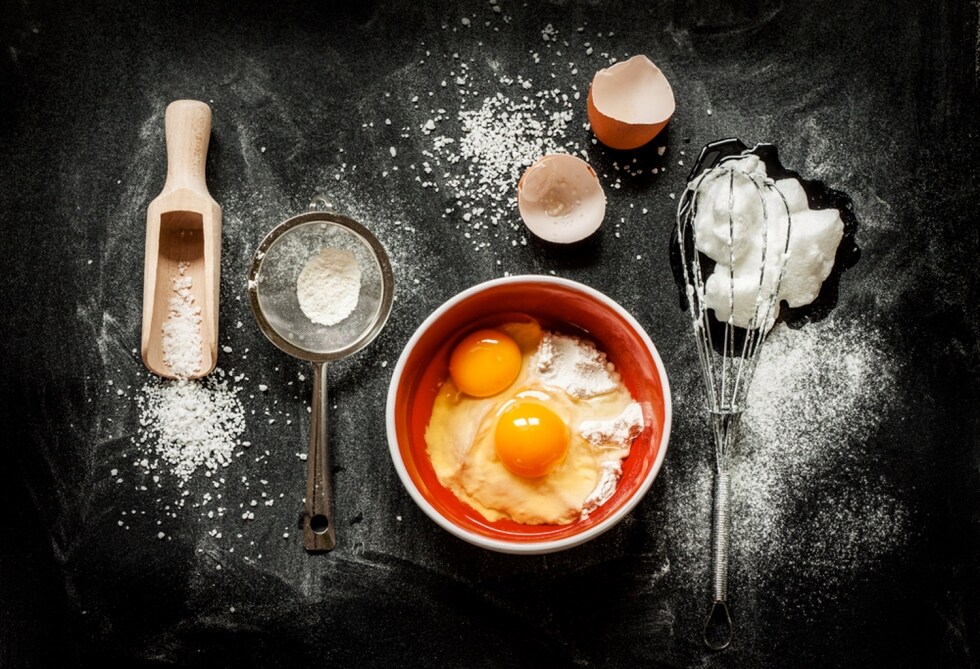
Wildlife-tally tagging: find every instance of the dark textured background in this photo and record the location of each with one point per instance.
(878, 99)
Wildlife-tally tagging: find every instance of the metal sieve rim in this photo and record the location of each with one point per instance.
(387, 285)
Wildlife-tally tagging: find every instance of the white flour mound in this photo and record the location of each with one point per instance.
(615, 433)
(329, 285)
(574, 365)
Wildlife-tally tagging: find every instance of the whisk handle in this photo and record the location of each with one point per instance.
(318, 526)
(718, 630)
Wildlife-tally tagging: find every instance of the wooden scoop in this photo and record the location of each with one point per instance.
(183, 240)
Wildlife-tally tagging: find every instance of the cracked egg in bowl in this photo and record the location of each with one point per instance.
(528, 414)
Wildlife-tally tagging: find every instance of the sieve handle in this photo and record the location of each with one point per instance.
(188, 130)
(318, 525)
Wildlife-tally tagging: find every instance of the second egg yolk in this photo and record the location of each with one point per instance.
(530, 439)
(484, 363)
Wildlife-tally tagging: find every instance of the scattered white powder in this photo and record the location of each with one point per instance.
(190, 424)
(182, 342)
(821, 383)
(329, 285)
(618, 432)
(574, 365)
(805, 497)
(818, 397)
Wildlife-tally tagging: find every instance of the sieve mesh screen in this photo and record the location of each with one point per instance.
(279, 270)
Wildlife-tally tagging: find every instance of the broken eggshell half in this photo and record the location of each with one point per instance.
(630, 103)
(560, 199)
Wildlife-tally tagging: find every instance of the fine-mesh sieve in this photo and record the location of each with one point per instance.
(272, 278)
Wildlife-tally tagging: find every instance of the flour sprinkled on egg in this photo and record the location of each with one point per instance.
(546, 447)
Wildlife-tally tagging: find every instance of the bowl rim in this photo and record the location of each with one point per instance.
(530, 547)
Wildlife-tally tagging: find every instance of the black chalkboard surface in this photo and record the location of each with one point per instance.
(856, 500)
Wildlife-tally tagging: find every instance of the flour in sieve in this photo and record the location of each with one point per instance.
(329, 285)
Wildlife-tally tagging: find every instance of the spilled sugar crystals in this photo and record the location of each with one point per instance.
(190, 424)
(498, 141)
(500, 125)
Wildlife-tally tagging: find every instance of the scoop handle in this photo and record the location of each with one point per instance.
(318, 525)
(188, 130)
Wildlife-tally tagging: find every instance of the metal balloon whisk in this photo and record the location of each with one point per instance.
(733, 229)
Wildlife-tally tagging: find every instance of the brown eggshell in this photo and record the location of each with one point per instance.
(629, 103)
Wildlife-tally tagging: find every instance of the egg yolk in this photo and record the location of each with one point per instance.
(484, 363)
(530, 439)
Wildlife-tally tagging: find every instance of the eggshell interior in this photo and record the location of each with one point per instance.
(560, 199)
(559, 306)
(634, 91)
(629, 103)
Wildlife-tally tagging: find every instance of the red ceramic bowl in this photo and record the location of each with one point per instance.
(559, 304)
